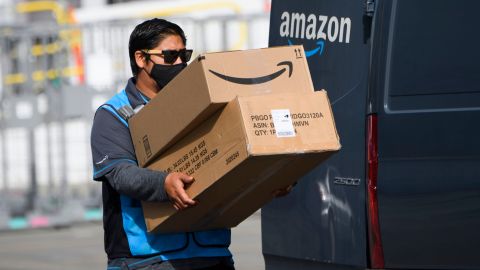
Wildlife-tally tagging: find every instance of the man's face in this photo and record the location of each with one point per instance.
(146, 60)
(172, 42)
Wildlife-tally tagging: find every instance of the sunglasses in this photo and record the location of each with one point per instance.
(170, 56)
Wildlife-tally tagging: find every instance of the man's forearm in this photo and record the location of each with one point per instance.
(138, 183)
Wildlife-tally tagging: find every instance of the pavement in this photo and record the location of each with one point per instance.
(80, 247)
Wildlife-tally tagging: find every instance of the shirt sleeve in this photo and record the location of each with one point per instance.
(138, 183)
(114, 159)
(111, 144)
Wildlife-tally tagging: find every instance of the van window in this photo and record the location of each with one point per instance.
(434, 55)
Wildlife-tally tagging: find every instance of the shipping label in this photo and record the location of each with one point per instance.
(282, 122)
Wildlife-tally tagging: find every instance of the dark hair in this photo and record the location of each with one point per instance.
(148, 35)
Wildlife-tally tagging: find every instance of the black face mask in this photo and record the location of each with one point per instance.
(163, 74)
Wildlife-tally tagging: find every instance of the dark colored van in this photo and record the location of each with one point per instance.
(403, 77)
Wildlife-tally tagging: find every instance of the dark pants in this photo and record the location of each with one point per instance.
(215, 263)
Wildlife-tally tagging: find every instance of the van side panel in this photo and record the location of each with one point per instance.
(428, 104)
(322, 221)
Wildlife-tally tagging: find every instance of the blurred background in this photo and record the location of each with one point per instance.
(60, 60)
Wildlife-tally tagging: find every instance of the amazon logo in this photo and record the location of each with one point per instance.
(258, 80)
(317, 28)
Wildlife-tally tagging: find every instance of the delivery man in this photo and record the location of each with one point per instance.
(157, 53)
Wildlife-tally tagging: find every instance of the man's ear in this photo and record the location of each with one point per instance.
(140, 59)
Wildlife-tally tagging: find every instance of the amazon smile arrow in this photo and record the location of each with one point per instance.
(257, 80)
(318, 49)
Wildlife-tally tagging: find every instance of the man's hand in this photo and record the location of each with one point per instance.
(175, 187)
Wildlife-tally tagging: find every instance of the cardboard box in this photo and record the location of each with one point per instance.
(241, 155)
(206, 85)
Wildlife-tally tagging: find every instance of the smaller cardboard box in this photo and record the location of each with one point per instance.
(206, 85)
(241, 155)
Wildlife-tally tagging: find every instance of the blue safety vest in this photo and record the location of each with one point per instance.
(169, 246)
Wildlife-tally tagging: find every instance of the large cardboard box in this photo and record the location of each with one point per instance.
(241, 155)
(206, 85)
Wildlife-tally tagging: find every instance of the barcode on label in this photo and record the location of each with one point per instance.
(285, 134)
(146, 145)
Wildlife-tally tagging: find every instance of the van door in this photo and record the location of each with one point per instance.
(428, 105)
(323, 219)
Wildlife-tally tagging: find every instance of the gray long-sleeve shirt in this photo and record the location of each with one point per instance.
(138, 183)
